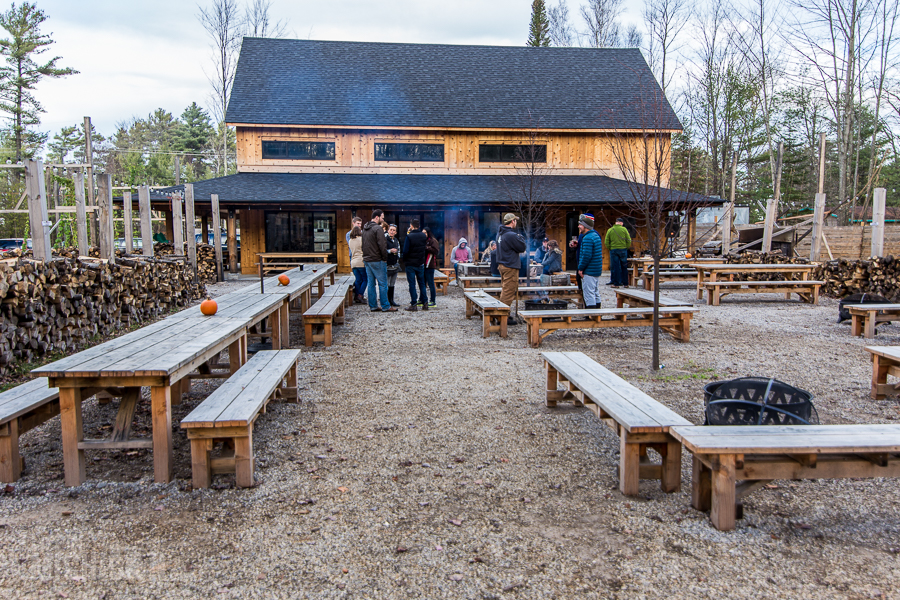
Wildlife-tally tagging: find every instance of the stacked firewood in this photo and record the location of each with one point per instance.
(206, 258)
(754, 257)
(68, 302)
(879, 275)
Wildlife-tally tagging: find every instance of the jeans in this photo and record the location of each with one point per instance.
(377, 272)
(429, 281)
(414, 274)
(509, 285)
(359, 286)
(590, 290)
(619, 266)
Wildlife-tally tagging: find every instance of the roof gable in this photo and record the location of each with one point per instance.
(362, 84)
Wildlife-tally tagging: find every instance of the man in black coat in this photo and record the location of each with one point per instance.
(375, 255)
(510, 246)
(414, 256)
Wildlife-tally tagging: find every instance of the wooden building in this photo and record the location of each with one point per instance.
(328, 130)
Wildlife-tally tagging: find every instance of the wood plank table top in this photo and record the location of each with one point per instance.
(273, 255)
(711, 271)
(892, 352)
(252, 307)
(872, 307)
(788, 439)
(301, 281)
(485, 301)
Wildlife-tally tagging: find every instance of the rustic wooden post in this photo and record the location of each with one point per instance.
(127, 222)
(691, 230)
(146, 224)
(38, 219)
(89, 159)
(104, 202)
(231, 235)
(772, 205)
(217, 235)
(177, 225)
(80, 213)
(728, 216)
(189, 226)
(821, 189)
(878, 201)
(204, 228)
(170, 225)
(817, 231)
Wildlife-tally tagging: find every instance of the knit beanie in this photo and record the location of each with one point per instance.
(587, 221)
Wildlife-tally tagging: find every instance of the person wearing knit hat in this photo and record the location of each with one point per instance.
(618, 240)
(590, 261)
(587, 220)
(577, 244)
(510, 246)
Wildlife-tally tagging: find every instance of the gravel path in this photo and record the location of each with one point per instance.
(421, 463)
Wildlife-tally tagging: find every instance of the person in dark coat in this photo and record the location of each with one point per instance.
(510, 246)
(375, 255)
(414, 253)
(393, 261)
(590, 262)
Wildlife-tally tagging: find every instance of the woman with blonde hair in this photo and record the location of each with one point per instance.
(357, 264)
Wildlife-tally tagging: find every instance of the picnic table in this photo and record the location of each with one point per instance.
(885, 361)
(280, 261)
(640, 263)
(474, 269)
(708, 279)
(864, 317)
(758, 454)
(554, 292)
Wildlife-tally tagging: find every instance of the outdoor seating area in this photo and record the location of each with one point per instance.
(743, 279)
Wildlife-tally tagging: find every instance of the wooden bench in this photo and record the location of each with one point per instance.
(480, 282)
(555, 292)
(229, 413)
(808, 290)
(441, 281)
(755, 455)
(640, 421)
(491, 310)
(642, 298)
(669, 275)
(885, 361)
(450, 273)
(326, 311)
(675, 321)
(22, 408)
(864, 317)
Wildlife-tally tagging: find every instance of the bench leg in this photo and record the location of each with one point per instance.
(671, 468)
(486, 325)
(161, 412)
(72, 433)
(10, 461)
(880, 368)
(469, 311)
(243, 459)
(503, 319)
(552, 378)
(870, 327)
(629, 465)
(701, 486)
(855, 326)
(722, 513)
(534, 332)
(326, 333)
(685, 328)
(201, 471)
(308, 333)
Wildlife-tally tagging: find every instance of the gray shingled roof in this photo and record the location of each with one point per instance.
(385, 190)
(361, 84)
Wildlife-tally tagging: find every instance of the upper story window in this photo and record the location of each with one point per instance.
(298, 150)
(410, 152)
(514, 153)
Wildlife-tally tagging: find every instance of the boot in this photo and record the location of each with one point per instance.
(412, 308)
(425, 304)
(391, 297)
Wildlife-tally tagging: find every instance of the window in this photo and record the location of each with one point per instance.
(298, 150)
(410, 152)
(518, 153)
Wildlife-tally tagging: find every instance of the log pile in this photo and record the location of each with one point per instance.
(63, 304)
(755, 257)
(206, 258)
(880, 275)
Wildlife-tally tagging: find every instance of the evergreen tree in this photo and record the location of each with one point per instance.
(63, 142)
(193, 137)
(539, 30)
(22, 72)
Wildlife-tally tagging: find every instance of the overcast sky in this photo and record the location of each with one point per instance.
(136, 56)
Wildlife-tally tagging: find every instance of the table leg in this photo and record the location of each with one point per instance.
(321, 287)
(629, 465)
(722, 513)
(161, 411)
(332, 277)
(503, 330)
(870, 325)
(10, 461)
(880, 368)
(855, 326)
(671, 468)
(234, 355)
(701, 486)
(274, 321)
(699, 284)
(286, 325)
(72, 434)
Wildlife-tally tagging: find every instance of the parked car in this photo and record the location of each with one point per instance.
(13, 243)
(138, 243)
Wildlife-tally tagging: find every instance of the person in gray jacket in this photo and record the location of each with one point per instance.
(461, 253)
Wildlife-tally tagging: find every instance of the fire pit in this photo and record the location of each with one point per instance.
(757, 401)
(546, 304)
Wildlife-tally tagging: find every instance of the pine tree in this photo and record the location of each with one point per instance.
(193, 137)
(21, 74)
(539, 30)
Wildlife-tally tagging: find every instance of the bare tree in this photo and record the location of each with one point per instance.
(664, 20)
(633, 37)
(644, 162)
(224, 23)
(561, 33)
(601, 18)
(259, 23)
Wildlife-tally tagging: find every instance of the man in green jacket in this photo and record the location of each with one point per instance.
(618, 240)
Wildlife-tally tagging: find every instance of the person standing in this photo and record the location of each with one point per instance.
(414, 249)
(510, 246)
(461, 253)
(618, 240)
(375, 256)
(577, 244)
(393, 261)
(354, 241)
(590, 261)
(361, 280)
(432, 250)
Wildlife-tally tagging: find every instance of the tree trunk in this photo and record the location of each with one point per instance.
(655, 358)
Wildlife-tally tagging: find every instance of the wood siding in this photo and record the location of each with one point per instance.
(569, 153)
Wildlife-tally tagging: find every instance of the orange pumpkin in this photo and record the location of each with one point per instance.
(688, 255)
(284, 279)
(209, 307)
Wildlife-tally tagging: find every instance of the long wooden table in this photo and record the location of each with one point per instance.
(885, 361)
(755, 455)
(282, 261)
(640, 263)
(708, 273)
(555, 292)
(864, 317)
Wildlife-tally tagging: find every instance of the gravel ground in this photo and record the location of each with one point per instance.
(422, 463)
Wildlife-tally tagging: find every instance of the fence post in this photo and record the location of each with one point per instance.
(217, 235)
(104, 202)
(126, 221)
(80, 213)
(38, 218)
(818, 224)
(769, 226)
(878, 201)
(146, 225)
(189, 226)
(177, 225)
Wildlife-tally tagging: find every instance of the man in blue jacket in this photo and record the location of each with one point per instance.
(510, 246)
(590, 261)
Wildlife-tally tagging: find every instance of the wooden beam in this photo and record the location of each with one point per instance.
(821, 188)
(817, 228)
(231, 236)
(80, 213)
(127, 222)
(769, 225)
(217, 236)
(146, 225)
(177, 225)
(728, 216)
(38, 218)
(878, 202)
(189, 219)
(104, 201)
(89, 158)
